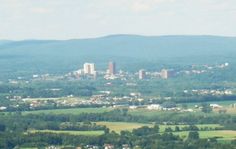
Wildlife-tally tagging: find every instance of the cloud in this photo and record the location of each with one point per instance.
(146, 5)
(140, 7)
(40, 10)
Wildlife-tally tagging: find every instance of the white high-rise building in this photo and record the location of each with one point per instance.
(89, 68)
(141, 74)
(164, 74)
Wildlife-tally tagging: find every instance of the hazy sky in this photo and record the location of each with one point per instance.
(65, 19)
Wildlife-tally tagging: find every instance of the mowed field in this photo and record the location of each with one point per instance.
(220, 134)
(152, 113)
(74, 111)
(119, 126)
(231, 110)
(223, 135)
(84, 133)
(29, 148)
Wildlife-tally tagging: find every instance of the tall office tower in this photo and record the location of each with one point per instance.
(92, 68)
(164, 74)
(89, 68)
(86, 68)
(141, 74)
(112, 68)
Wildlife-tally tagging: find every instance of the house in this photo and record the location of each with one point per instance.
(3, 108)
(215, 106)
(125, 146)
(108, 146)
(154, 107)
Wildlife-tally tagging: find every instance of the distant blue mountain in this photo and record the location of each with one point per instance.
(59, 54)
(2, 42)
(125, 45)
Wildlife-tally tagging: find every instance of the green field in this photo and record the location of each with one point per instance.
(29, 148)
(34, 99)
(84, 133)
(119, 126)
(151, 113)
(69, 111)
(223, 103)
(221, 134)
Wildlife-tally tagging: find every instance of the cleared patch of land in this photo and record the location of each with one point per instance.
(74, 111)
(34, 99)
(221, 134)
(29, 148)
(84, 133)
(151, 113)
(119, 126)
(231, 110)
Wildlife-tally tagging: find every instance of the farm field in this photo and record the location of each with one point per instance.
(85, 133)
(221, 134)
(119, 126)
(222, 103)
(28, 148)
(74, 111)
(151, 113)
(34, 99)
(231, 110)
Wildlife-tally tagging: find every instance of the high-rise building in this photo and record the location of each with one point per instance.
(141, 74)
(164, 74)
(112, 68)
(89, 68)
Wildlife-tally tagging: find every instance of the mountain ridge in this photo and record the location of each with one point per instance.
(117, 35)
(127, 44)
(66, 55)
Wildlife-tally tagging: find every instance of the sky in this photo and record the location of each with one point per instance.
(70, 19)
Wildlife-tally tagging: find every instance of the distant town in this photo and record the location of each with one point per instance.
(105, 98)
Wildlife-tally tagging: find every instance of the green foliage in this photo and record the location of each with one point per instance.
(206, 108)
(193, 135)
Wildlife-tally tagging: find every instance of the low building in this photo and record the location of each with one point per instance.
(108, 146)
(125, 146)
(215, 106)
(154, 107)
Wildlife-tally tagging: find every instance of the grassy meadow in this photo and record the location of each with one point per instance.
(220, 134)
(74, 111)
(84, 133)
(119, 126)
